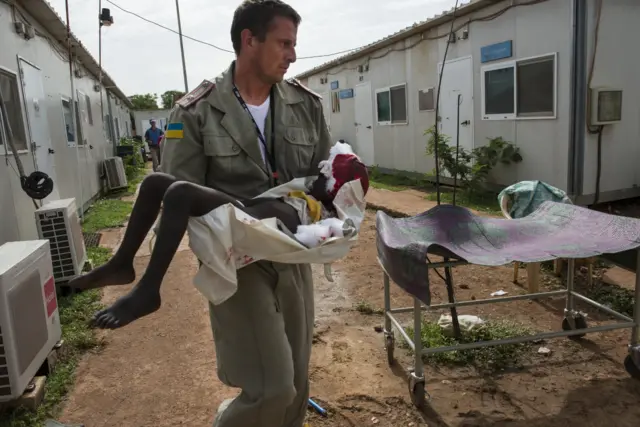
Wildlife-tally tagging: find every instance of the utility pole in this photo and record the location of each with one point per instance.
(184, 65)
(72, 107)
(104, 19)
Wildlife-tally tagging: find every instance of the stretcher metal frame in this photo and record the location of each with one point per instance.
(573, 324)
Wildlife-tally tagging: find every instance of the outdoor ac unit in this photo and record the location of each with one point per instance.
(58, 223)
(114, 169)
(29, 319)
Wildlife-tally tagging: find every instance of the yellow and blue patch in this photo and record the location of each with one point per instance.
(175, 131)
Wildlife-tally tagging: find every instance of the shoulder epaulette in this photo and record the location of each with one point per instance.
(295, 82)
(197, 94)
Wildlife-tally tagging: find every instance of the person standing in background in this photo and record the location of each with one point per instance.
(153, 135)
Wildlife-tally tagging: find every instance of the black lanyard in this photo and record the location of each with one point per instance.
(269, 154)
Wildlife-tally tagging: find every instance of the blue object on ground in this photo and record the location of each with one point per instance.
(320, 410)
(53, 423)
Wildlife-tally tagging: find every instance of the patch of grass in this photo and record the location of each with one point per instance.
(615, 297)
(484, 358)
(135, 181)
(396, 182)
(75, 312)
(364, 307)
(98, 256)
(481, 202)
(106, 213)
(137, 175)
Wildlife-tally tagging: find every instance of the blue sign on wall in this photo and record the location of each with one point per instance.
(346, 93)
(334, 85)
(496, 51)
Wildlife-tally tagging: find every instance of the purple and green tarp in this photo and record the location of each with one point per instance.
(553, 230)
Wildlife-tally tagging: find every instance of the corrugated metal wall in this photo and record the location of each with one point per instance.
(536, 30)
(77, 171)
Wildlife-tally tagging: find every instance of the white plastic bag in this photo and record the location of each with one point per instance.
(467, 323)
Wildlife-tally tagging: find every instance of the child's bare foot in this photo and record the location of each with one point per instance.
(112, 273)
(140, 302)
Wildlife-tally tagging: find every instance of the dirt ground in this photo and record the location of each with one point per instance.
(161, 370)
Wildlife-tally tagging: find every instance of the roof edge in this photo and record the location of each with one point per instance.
(472, 6)
(42, 12)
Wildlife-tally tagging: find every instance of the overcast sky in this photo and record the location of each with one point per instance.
(143, 58)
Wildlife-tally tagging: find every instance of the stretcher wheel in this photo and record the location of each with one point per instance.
(581, 323)
(631, 368)
(389, 345)
(418, 393)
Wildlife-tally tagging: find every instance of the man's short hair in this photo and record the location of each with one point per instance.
(256, 16)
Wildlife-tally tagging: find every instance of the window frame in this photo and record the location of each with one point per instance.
(86, 100)
(406, 102)
(23, 116)
(426, 90)
(514, 64)
(116, 125)
(74, 143)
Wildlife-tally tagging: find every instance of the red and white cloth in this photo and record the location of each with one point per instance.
(342, 166)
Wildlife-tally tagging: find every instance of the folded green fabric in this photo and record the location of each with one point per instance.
(526, 196)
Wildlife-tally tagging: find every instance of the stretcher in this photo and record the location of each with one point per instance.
(554, 230)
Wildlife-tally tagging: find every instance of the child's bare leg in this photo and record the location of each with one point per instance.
(119, 270)
(182, 200)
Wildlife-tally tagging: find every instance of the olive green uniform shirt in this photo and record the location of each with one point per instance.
(218, 145)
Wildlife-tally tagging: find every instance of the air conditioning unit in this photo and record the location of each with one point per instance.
(114, 169)
(58, 223)
(29, 318)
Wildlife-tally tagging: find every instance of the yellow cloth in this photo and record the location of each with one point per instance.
(314, 207)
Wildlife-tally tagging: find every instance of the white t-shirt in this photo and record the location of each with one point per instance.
(259, 113)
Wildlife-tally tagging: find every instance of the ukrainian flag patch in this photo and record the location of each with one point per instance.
(175, 131)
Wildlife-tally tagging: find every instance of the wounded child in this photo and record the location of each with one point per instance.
(302, 213)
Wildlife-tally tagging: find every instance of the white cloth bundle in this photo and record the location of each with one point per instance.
(227, 239)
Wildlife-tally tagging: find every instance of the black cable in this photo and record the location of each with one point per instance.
(38, 185)
(435, 131)
(455, 175)
(213, 45)
(489, 17)
(436, 270)
(599, 166)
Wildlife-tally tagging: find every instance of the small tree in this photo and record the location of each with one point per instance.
(170, 97)
(147, 101)
(472, 168)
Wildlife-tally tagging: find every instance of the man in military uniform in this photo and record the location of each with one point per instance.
(243, 133)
